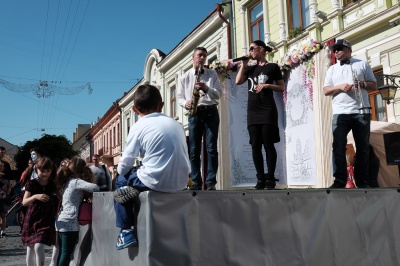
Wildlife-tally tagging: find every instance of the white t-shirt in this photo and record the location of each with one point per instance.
(161, 142)
(347, 103)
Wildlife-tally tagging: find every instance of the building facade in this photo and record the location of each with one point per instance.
(371, 26)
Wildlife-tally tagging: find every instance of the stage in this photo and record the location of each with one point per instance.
(247, 227)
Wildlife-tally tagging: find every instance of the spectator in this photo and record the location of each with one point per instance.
(101, 174)
(7, 169)
(160, 141)
(31, 172)
(73, 178)
(350, 170)
(39, 221)
(5, 191)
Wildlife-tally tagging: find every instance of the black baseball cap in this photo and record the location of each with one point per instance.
(340, 42)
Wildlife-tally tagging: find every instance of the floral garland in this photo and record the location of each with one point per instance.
(300, 55)
(224, 68)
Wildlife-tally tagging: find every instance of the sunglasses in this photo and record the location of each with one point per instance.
(252, 48)
(338, 49)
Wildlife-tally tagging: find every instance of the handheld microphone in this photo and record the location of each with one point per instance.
(240, 58)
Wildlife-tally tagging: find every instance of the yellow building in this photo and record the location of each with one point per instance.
(371, 26)
(373, 29)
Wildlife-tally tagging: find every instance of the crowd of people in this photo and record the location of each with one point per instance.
(52, 194)
(51, 198)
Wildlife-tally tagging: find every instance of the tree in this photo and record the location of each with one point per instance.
(55, 147)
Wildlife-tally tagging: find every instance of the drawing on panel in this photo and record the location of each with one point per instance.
(239, 177)
(300, 167)
(297, 105)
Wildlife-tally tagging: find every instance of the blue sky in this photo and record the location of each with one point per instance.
(71, 43)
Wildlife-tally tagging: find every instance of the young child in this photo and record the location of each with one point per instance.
(3, 205)
(350, 170)
(73, 178)
(40, 197)
(161, 142)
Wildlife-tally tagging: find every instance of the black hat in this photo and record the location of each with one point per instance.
(262, 44)
(340, 42)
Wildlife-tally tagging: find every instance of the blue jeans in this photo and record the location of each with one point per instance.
(341, 126)
(206, 120)
(124, 212)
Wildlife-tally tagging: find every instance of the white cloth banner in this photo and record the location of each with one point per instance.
(300, 146)
(242, 170)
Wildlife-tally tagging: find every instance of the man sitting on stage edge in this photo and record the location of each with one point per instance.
(160, 140)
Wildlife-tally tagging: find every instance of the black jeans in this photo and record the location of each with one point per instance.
(259, 135)
(68, 241)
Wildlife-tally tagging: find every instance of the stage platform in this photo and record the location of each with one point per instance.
(278, 227)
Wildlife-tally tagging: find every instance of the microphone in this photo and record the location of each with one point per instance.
(240, 58)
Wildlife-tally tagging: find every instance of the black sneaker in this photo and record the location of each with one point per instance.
(338, 184)
(271, 183)
(211, 187)
(260, 185)
(361, 185)
(195, 187)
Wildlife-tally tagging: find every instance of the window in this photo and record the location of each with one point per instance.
(118, 140)
(110, 144)
(173, 101)
(256, 22)
(348, 2)
(211, 60)
(299, 14)
(128, 125)
(114, 139)
(378, 105)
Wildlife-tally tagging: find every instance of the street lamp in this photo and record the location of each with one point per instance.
(389, 87)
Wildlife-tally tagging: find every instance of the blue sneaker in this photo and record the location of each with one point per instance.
(125, 239)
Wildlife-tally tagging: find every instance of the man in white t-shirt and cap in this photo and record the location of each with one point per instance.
(101, 173)
(348, 82)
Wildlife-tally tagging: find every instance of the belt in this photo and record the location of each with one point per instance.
(205, 107)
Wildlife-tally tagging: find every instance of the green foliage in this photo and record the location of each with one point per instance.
(295, 31)
(52, 146)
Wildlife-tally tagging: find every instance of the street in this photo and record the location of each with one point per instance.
(12, 251)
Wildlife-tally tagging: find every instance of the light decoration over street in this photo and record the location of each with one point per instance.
(45, 89)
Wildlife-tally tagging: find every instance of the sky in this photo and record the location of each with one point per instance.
(70, 44)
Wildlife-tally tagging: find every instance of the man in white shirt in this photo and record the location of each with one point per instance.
(205, 120)
(348, 82)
